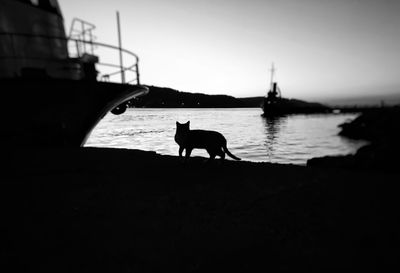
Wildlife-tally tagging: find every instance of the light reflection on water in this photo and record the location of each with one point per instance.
(291, 139)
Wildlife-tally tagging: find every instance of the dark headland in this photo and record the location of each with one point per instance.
(116, 210)
(162, 97)
(379, 126)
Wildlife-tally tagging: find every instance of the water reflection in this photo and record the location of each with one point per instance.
(292, 139)
(273, 127)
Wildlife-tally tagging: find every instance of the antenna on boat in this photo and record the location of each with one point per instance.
(272, 75)
(120, 49)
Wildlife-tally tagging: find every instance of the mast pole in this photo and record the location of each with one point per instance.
(272, 75)
(120, 49)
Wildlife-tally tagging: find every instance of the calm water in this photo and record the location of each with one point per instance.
(251, 137)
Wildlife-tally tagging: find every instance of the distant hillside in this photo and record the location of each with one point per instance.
(371, 100)
(252, 101)
(162, 97)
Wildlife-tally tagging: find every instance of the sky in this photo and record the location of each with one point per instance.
(322, 49)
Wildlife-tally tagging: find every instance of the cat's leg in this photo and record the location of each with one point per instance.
(221, 154)
(188, 152)
(212, 154)
(181, 159)
(181, 148)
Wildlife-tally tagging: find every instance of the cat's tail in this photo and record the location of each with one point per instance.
(229, 153)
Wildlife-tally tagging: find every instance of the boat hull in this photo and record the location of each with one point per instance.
(45, 112)
(282, 106)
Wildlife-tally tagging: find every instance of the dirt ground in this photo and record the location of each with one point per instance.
(117, 210)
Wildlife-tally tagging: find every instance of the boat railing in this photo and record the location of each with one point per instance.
(83, 30)
(58, 48)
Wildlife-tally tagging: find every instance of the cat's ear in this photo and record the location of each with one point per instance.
(188, 123)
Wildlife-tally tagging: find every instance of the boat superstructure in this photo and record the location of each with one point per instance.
(55, 88)
(275, 105)
(273, 98)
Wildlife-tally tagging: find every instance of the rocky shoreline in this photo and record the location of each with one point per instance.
(116, 210)
(381, 127)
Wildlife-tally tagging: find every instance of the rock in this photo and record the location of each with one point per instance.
(381, 127)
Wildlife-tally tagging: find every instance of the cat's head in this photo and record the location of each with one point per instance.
(182, 127)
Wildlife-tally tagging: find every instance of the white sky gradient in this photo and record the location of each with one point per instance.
(322, 49)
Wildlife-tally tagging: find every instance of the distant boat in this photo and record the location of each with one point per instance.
(52, 93)
(275, 105)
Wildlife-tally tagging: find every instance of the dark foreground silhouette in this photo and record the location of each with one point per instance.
(114, 210)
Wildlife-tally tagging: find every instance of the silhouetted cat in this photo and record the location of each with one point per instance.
(212, 141)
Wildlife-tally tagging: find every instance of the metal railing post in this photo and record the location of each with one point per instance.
(83, 35)
(77, 48)
(120, 49)
(137, 72)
